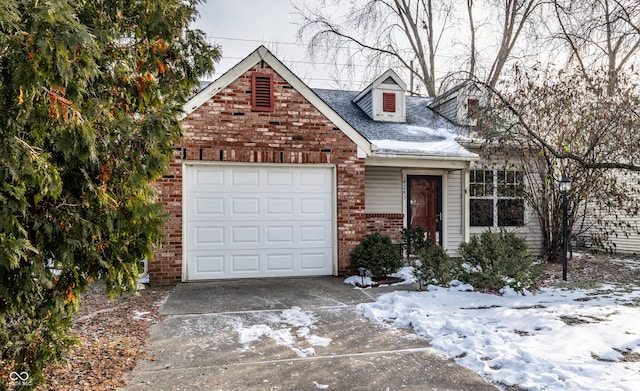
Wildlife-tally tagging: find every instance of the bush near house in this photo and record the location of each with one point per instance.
(414, 240)
(378, 254)
(496, 259)
(436, 266)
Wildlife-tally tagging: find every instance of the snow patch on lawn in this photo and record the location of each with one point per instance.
(554, 339)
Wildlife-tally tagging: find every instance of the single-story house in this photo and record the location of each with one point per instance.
(273, 178)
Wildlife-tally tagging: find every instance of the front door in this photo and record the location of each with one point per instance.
(425, 208)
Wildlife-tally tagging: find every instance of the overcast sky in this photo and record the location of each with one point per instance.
(240, 26)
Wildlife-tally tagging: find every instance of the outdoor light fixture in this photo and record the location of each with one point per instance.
(565, 186)
(419, 275)
(362, 271)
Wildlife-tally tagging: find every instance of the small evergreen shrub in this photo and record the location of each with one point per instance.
(378, 254)
(496, 259)
(436, 266)
(414, 240)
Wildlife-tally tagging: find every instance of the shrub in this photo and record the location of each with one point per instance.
(436, 266)
(414, 240)
(377, 254)
(494, 260)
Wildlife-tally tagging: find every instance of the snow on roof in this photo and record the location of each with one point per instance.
(424, 133)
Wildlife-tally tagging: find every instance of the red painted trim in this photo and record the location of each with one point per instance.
(261, 92)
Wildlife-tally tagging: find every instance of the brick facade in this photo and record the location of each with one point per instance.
(388, 224)
(226, 129)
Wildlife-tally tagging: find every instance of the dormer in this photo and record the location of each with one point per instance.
(459, 103)
(384, 99)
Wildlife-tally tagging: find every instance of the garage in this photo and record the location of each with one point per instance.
(253, 220)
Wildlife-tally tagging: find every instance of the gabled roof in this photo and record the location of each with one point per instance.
(425, 133)
(453, 91)
(263, 54)
(381, 79)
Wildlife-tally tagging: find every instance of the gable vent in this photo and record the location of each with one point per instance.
(261, 92)
(389, 102)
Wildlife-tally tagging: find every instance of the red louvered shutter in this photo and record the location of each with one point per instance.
(261, 92)
(473, 106)
(388, 102)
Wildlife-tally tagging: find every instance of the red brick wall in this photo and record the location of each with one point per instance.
(225, 129)
(388, 224)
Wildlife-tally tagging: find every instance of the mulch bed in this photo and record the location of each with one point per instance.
(112, 336)
(585, 269)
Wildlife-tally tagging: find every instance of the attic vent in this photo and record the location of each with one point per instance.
(388, 102)
(261, 92)
(473, 107)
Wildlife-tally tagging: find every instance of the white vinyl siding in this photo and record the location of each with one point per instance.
(383, 190)
(454, 212)
(625, 240)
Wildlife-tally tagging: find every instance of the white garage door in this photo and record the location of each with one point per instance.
(258, 221)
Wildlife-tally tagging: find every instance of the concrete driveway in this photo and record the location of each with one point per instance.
(287, 334)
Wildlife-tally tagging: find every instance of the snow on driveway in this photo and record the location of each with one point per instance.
(551, 340)
(296, 330)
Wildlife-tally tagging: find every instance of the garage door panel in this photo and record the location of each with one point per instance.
(280, 262)
(245, 235)
(281, 207)
(312, 261)
(213, 176)
(245, 206)
(209, 206)
(209, 264)
(279, 235)
(209, 236)
(313, 179)
(245, 177)
(313, 207)
(258, 221)
(244, 263)
(280, 179)
(310, 234)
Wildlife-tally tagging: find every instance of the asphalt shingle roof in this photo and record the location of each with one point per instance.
(425, 132)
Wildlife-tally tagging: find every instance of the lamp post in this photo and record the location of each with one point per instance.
(565, 186)
(361, 272)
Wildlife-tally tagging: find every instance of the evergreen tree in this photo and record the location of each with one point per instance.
(90, 96)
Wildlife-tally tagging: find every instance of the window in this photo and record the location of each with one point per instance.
(496, 198)
(261, 92)
(388, 102)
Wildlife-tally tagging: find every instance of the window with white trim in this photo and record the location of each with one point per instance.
(496, 198)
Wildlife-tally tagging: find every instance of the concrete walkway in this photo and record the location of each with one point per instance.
(287, 334)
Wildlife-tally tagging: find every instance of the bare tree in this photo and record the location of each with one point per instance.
(599, 32)
(516, 14)
(567, 125)
(472, 38)
(384, 32)
(397, 32)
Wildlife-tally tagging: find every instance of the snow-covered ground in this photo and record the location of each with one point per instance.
(554, 339)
